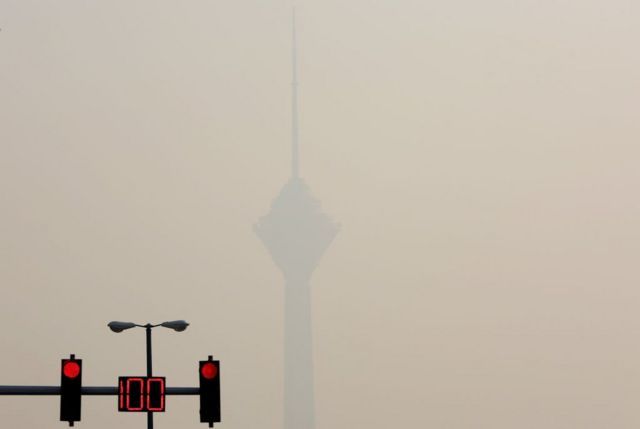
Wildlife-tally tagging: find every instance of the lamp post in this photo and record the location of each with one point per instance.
(176, 325)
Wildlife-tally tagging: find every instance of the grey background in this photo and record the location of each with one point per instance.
(481, 158)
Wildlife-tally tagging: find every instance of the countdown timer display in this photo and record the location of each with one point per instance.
(141, 394)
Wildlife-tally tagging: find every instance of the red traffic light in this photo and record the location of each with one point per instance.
(71, 369)
(209, 370)
(209, 376)
(70, 389)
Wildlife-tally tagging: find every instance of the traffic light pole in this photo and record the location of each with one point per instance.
(136, 394)
(148, 327)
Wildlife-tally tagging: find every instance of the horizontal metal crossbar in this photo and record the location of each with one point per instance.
(87, 390)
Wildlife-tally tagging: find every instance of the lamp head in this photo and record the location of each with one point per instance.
(120, 326)
(176, 325)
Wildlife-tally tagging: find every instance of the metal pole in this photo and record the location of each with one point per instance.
(85, 390)
(149, 371)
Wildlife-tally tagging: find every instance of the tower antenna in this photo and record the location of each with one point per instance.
(295, 139)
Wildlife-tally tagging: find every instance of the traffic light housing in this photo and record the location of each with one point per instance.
(70, 389)
(209, 373)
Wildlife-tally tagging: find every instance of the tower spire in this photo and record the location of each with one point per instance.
(295, 142)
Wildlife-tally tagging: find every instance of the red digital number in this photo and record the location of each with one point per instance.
(136, 393)
(155, 394)
(141, 394)
(121, 396)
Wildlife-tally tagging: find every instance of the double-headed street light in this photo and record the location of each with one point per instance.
(176, 325)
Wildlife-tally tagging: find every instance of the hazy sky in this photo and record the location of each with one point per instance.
(480, 156)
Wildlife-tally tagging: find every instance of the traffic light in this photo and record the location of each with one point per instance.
(70, 390)
(209, 391)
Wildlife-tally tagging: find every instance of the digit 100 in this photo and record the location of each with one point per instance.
(141, 394)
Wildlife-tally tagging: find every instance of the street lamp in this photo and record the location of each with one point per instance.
(121, 326)
(176, 325)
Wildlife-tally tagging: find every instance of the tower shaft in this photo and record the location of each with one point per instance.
(299, 409)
